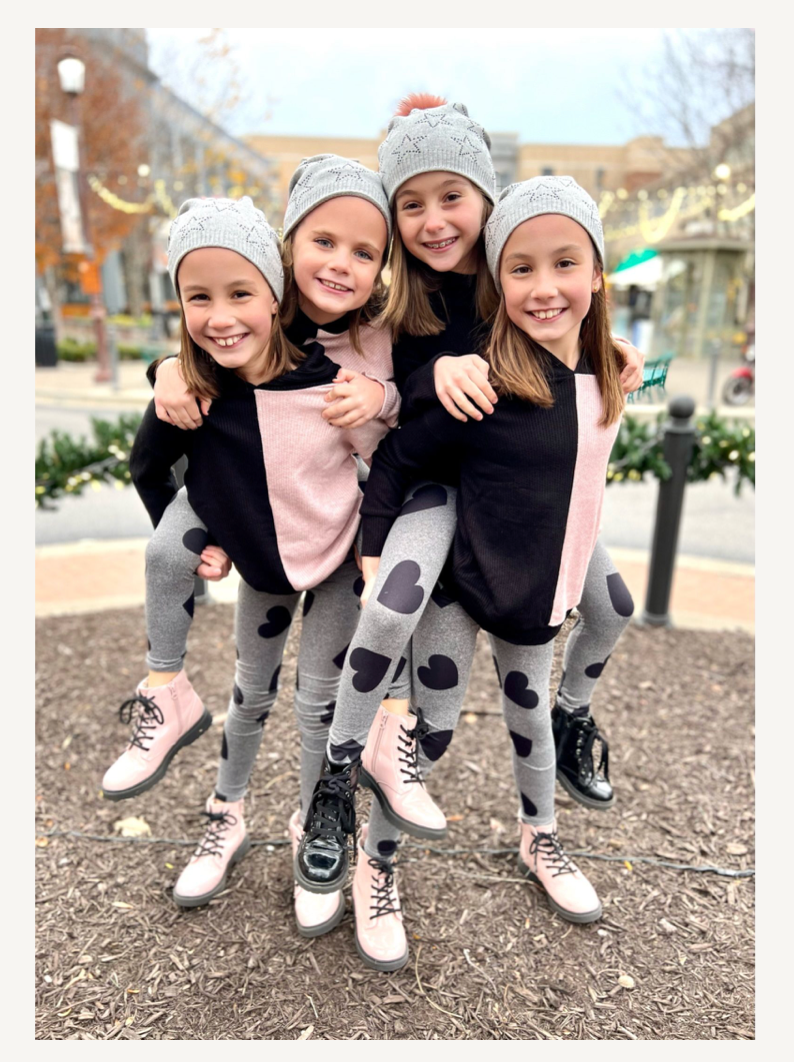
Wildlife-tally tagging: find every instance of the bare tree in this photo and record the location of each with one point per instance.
(701, 96)
(207, 74)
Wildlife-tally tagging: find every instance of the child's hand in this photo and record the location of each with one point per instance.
(369, 569)
(631, 378)
(455, 378)
(215, 564)
(355, 400)
(173, 403)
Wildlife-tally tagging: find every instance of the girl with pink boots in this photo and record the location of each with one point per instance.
(531, 486)
(439, 177)
(269, 449)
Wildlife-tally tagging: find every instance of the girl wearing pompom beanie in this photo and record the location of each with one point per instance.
(531, 486)
(259, 469)
(438, 174)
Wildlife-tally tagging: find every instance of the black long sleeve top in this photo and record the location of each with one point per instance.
(528, 506)
(276, 485)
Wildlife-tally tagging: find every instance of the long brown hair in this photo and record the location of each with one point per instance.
(518, 364)
(408, 305)
(365, 314)
(199, 370)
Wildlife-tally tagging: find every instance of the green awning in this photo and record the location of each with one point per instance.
(636, 258)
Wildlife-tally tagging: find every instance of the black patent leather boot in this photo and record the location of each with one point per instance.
(574, 737)
(323, 854)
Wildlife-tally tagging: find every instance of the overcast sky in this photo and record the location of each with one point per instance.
(553, 86)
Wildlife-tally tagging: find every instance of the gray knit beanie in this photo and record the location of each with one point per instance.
(438, 138)
(539, 195)
(235, 224)
(324, 177)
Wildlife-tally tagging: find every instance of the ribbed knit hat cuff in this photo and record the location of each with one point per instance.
(447, 163)
(515, 207)
(294, 222)
(436, 138)
(234, 225)
(324, 177)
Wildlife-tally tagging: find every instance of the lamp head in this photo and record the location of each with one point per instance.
(71, 72)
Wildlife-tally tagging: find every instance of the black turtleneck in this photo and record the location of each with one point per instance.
(415, 356)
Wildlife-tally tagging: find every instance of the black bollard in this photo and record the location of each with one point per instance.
(679, 437)
(199, 584)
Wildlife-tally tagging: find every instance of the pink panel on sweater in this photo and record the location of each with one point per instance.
(312, 480)
(376, 362)
(594, 445)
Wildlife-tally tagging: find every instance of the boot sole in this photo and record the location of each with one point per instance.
(384, 965)
(588, 802)
(204, 723)
(580, 917)
(323, 886)
(426, 832)
(324, 927)
(199, 901)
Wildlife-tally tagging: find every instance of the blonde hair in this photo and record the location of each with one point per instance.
(408, 306)
(365, 314)
(199, 369)
(518, 364)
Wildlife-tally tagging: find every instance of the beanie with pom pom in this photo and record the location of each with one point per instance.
(427, 135)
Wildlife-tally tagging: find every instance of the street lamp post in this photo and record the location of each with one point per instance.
(71, 73)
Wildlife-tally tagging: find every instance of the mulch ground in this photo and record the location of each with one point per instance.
(489, 960)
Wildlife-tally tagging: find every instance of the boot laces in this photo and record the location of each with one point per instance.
(588, 734)
(150, 716)
(213, 840)
(332, 814)
(382, 893)
(554, 856)
(409, 753)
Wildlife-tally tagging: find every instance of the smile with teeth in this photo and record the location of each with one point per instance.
(546, 315)
(333, 286)
(228, 341)
(441, 244)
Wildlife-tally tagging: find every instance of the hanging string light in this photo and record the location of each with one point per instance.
(115, 201)
(740, 211)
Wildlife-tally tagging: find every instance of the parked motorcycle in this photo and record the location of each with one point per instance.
(740, 385)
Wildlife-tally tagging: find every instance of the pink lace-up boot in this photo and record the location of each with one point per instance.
(315, 912)
(544, 861)
(380, 937)
(390, 769)
(224, 844)
(169, 717)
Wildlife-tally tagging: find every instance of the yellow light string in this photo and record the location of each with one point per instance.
(738, 212)
(607, 199)
(163, 198)
(655, 229)
(115, 201)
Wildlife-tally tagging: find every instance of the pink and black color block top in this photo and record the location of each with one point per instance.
(275, 484)
(529, 503)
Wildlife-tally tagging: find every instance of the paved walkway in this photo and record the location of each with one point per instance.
(93, 575)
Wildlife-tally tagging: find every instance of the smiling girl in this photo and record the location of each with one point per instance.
(258, 469)
(531, 486)
(438, 174)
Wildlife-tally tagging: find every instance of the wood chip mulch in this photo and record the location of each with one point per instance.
(672, 957)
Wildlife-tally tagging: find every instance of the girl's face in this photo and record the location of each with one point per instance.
(548, 274)
(440, 218)
(228, 308)
(337, 254)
